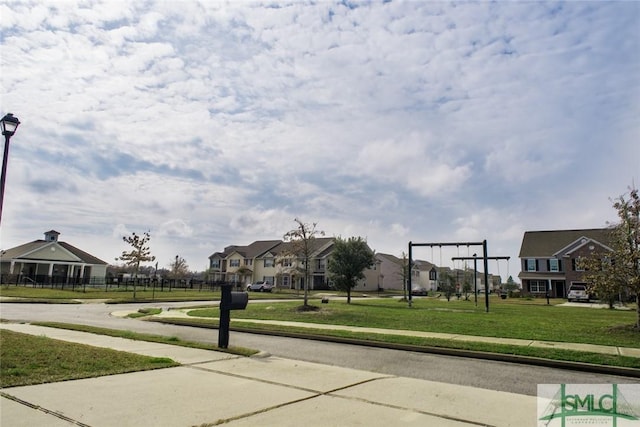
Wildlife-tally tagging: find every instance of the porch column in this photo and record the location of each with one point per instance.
(69, 272)
(13, 263)
(50, 273)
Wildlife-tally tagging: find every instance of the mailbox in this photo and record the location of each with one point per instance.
(236, 301)
(229, 301)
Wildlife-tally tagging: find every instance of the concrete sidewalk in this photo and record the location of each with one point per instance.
(213, 387)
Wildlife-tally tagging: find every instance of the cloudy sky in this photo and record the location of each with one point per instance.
(216, 123)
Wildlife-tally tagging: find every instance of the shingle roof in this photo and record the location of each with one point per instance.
(541, 244)
(389, 257)
(22, 251)
(259, 247)
(84, 256)
(251, 251)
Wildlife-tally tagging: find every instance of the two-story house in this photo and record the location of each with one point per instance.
(549, 259)
(274, 261)
(235, 264)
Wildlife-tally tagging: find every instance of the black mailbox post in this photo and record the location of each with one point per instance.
(229, 301)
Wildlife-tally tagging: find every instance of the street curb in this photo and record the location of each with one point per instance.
(500, 357)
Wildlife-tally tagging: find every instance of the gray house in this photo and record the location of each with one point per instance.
(50, 261)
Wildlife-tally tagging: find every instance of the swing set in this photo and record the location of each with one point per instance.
(485, 258)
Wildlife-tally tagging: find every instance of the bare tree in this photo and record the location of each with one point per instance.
(179, 268)
(301, 239)
(139, 252)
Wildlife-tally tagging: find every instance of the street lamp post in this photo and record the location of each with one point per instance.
(9, 125)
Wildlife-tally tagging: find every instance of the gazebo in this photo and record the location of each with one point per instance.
(50, 261)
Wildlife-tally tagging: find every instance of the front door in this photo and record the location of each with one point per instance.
(560, 288)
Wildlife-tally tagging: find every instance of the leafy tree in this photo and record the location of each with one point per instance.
(467, 284)
(619, 270)
(302, 247)
(348, 261)
(448, 284)
(139, 252)
(179, 268)
(404, 274)
(511, 286)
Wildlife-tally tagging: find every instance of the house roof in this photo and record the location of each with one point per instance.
(276, 247)
(250, 251)
(423, 265)
(544, 244)
(24, 250)
(389, 257)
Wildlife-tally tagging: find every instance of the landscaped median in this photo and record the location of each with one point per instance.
(526, 329)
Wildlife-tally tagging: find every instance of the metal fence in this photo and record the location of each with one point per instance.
(112, 283)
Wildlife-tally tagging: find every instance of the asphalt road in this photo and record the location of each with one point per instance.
(502, 376)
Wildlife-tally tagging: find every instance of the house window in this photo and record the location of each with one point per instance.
(320, 265)
(286, 282)
(248, 262)
(215, 263)
(554, 265)
(286, 262)
(268, 262)
(538, 286)
(532, 265)
(234, 263)
(577, 264)
(269, 279)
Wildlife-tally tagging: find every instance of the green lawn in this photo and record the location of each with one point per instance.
(47, 295)
(511, 318)
(28, 359)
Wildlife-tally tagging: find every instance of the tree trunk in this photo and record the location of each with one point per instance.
(349, 296)
(306, 284)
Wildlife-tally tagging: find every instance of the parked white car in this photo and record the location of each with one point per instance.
(260, 287)
(578, 292)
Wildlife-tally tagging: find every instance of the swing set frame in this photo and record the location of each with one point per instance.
(484, 258)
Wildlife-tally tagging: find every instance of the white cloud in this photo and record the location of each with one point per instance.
(217, 123)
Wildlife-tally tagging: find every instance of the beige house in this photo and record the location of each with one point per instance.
(273, 261)
(50, 261)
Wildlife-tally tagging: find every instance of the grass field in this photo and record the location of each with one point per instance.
(28, 359)
(511, 318)
(529, 319)
(57, 296)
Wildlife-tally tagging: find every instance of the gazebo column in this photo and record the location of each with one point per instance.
(69, 272)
